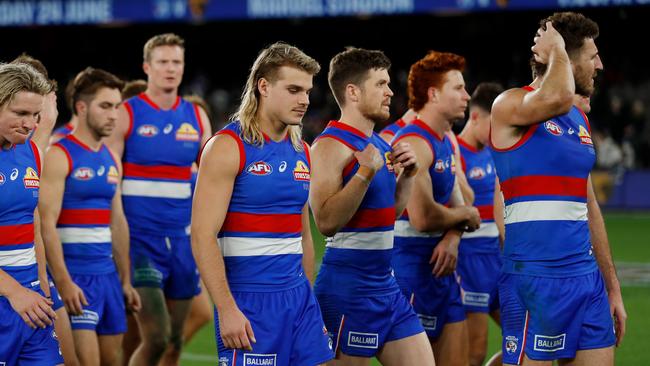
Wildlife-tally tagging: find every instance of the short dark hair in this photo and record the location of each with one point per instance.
(574, 28)
(89, 81)
(351, 67)
(484, 95)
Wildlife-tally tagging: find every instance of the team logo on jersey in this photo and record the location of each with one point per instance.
(363, 340)
(477, 173)
(439, 166)
(389, 163)
(31, 180)
(3, 179)
(585, 137)
(252, 359)
(187, 133)
(553, 128)
(113, 176)
(83, 173)
(223, 361)
(511, 344)
(147, 130)
(549, 343)
(301, 172)
(259, 168)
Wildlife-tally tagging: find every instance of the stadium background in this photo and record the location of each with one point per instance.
(223, 38)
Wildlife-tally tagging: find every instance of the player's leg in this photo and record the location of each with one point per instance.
(109, 346)
(413, 350)
(62, 329)
(451, 348)
(155, 328)
(200, 315)
(131, 339)
(87, 346)
(591, 357)
(477, 329)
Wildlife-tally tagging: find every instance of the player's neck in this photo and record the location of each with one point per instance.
(276, 130)
(88, 137)
(354, 118)
(468, 137)
(164, 99)
(434, 120)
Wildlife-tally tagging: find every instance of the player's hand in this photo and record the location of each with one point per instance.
(445, 255)
(546, 42)
(472, 220)
(370, 158)
(619, 314)
(35, 309)
(49, 113)
(131, 298)
(403, 157)
(73, 297)
(236, 331)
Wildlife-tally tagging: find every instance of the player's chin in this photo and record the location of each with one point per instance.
(18, 138)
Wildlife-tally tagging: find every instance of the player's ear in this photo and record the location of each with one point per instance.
(263, 87)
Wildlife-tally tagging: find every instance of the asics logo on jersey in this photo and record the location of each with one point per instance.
(477, 173)
(585, 138)
(83, 173)
(553, 128)
(301, 172)
(147, 130)
(168, 128)
(101, 171)
(31, 180)
(259, 168)
(3, 179)
(14, 174)
(283, 166)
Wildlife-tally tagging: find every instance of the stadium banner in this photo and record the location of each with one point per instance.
(69, 12)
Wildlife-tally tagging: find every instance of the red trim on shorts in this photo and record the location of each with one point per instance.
(262, 223)
(16, 234)
(85, 217)
(240, 144)
(338, 336)
(537, 185)
(523, 342)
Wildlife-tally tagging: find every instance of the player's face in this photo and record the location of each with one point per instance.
(376, 94)
(102, 112)
(453, 97)
(165, 68)
(19, 116)
(287, 99)
(585, 67)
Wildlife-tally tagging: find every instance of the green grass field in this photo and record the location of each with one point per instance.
(629, 235)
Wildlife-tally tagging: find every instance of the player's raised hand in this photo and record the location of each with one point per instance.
(547, 41)
(235, 329)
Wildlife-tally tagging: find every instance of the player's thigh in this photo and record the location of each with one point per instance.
(86, 346)
(413, 350)
(451, 348)
(591, 357)
(153, 318)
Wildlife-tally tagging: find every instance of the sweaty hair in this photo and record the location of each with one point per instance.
(167, 39)
(89, 81)
(484, 95)
(133, 88)
(429, 72)
(267, 66)
(21, 77)
(352, 66)
(36, 64)
(574, 28)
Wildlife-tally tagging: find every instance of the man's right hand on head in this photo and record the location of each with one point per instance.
(546, 41)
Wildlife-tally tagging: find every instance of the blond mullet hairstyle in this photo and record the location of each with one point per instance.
(16, 78)
(266, 66)
(166, 39)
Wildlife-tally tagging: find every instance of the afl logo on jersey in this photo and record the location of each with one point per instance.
(259, 168)
(147, 130)
(553, 128)
(187, 133)
(3, 179)
(585, 137)
(477, 173)
(83, 173)
(112, 177)
(31, 180)
(439, 166)
(301, 172)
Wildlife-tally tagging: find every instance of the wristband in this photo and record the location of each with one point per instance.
(363, 179)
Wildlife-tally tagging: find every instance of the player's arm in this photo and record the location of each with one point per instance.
(218, 169)
(519, 108)
(46, 120)
(604, 258)
(461, 178)
(34, 309)
(55, 171)
(307, 245)
(499, 215)
(425, 214)
(406, 164)
(122, 124)
(332, 203)
(39, 248)
(120, 239)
